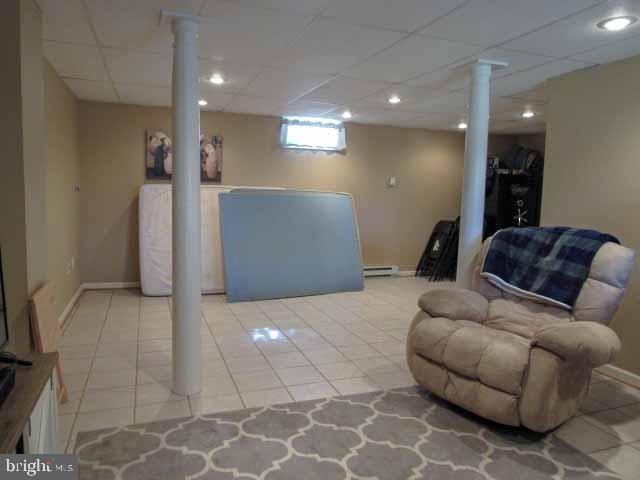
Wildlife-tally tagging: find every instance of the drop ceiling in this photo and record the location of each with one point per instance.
(320, 57)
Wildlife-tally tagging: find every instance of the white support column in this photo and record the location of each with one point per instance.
(475, 172)
(187, 355)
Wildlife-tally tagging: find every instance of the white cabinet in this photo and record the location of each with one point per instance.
(40, 433)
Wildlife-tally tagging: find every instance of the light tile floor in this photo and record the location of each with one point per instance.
(116, 354)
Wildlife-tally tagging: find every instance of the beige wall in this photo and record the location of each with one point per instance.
(12, 204)
(23, 230)
(63, 197)
(394, 223)
(39, 210)
(592, 169)
(33, 133)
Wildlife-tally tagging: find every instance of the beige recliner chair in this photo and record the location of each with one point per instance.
(513, 360)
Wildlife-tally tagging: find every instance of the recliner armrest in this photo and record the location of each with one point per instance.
(455, 304)
(588, 342)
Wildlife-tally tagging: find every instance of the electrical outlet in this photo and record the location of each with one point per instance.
(392, 182)
(71, 265)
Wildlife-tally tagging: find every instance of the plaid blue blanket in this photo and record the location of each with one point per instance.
(548, 263)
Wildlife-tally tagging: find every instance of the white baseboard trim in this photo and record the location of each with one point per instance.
(67, 310)
(91, 286)
(406, 273)
(620, 374)
(109, 285)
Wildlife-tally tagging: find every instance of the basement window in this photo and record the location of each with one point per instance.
(311, 133)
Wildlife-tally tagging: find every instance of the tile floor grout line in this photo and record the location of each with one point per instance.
(135, 386)
(599, 450)
(312, 365)
(338, 348)
(224, 360)
(86, 382)
(282, 386)
(64, 330)
(297, 348)
(625, 406)
(607, 432)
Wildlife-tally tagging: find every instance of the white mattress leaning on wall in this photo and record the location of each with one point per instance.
(155, 238)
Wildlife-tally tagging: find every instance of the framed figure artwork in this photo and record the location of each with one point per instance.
(159, 156)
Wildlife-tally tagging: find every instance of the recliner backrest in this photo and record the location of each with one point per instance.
(602, 291)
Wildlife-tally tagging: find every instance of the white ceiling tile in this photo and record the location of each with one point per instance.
(409, 97)
(451, 103)
(491, 22)
(517, 61)
(308, 109)
(513, 125)
(434, 122)
(342, 90)
(458, 76)
(528, 79)
(446, 79)
(215, 100)
(380, 115)
(248, 35)
(579, 32)
(332, 35)
(504, 126)
(236, 77)
(144, 95)
(313, 60)
(76, 61)
(401, 15)
(327, 46)
(503, 108)
(410, 58)
(65, 22)
(256, 105)
(90, 90)
(126, 66)
(300, 7)
(538, 95)
(514, 106)
(611, 52)
(284, 85)
(135, 24)
(361, 39)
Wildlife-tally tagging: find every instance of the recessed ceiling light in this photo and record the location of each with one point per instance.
(393, 99)
(616, 24)
(202, 102)
(346, 115)
(216, 79)
(528, 114)
(462, 126)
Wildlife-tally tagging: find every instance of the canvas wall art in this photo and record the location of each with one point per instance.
(211, 158)
(159, 156)
(159, 160)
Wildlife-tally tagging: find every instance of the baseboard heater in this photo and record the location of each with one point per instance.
(381, 271)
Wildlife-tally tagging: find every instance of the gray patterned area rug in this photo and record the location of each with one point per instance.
(391, 435)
